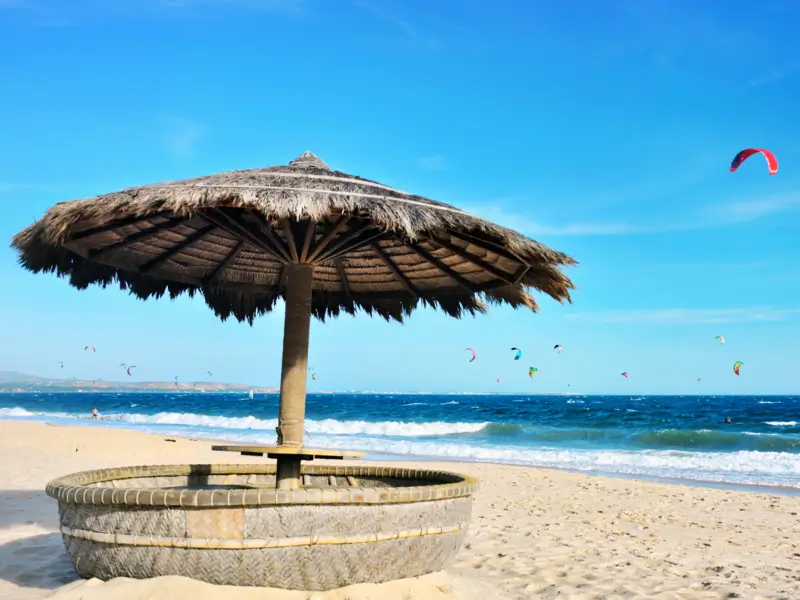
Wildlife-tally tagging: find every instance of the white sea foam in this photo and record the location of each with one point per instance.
(324, 426)
(763, 468)
(16, 412)
(781, 423)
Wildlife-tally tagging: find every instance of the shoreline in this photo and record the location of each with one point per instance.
(388, 457)
(245, 389)
(700, 483)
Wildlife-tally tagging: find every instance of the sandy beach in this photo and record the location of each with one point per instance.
(534, 534)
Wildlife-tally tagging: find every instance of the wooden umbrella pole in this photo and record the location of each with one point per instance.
(294, 370)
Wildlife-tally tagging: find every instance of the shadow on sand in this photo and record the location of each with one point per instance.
(27, 507)
(37, 561)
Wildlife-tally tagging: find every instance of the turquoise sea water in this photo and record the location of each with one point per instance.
(650, 436)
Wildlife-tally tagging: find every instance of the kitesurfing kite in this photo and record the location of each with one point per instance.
(209, 373)
(314, 376)
(699, 379)
(61, 363)
(518, 355)
(498, 380)
(123, 365)
(128, 370)
(558, 348)
(772, 162)
(532, 371)
(176, 381)
(720, 338)
(90, 346)
(736, 366)
(625, 375)
(474, 354)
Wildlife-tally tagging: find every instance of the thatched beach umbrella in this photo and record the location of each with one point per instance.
(322, 240)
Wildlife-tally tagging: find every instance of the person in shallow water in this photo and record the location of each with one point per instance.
(727, 420)
(95, 414)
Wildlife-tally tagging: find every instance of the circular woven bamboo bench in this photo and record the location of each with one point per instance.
(229, 525)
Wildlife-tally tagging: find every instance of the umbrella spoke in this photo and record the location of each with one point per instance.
(342, 241)
(176, 249)
(265, 228)
(487, 246)
(110, 226)
(139, 236)
(398, 274)
(454, 275)
(261, 230)
(374, 236)
(311, 233)
(343, 277)
(520, 274)
(232, 255)
(232, 228)
(328, 236)
(290, 240)
(475, 260)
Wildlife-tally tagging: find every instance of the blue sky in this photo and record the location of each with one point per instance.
(603, 129)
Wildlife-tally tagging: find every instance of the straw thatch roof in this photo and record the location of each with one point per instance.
(229, 236)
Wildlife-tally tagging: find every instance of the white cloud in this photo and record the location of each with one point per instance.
(774, 75)
(434, 162)
(715, 266)
(674, 316)
(599, 228)
(750, 210)
(182, 136)
(716, 215)
(409, 31)
(497, 214)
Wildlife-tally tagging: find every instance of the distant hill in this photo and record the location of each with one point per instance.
(12, 381)
(14, 377)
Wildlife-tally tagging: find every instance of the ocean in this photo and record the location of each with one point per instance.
(675, 437)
